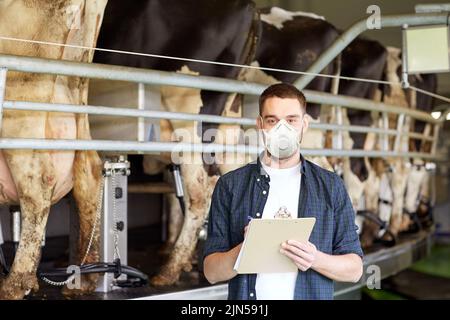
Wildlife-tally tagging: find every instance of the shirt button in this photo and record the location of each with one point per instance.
(258, 214)
(264, 191)
(252, 294)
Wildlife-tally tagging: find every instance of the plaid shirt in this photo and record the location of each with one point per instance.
(244, 191)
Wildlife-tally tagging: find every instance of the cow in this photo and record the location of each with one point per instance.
(363, 58)
(293, 41)
(196, 29)
(408, 179)
(381, 189)
(36, 179)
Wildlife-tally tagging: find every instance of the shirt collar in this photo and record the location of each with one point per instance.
(259, 169)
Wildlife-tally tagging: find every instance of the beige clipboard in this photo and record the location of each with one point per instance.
(260, 251)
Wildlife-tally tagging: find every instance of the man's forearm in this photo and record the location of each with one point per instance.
(345, 268)
(218, 266)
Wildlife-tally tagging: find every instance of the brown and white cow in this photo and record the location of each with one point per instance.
(408, 179)
(37, 179)
(222, 31)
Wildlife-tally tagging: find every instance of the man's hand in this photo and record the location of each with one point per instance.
(245, 231)
(303, 255)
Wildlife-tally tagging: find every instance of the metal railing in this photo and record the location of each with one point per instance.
(153, 77)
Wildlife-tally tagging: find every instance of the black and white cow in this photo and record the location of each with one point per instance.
(223, 31)
(293, 41)
(365, 59)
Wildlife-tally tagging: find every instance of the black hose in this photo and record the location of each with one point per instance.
(4, 269)
(135, 277)
(183, 208)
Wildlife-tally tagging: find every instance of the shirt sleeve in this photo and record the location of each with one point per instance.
(345, 239)
(218, 239)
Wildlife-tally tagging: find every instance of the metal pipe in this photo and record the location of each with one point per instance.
(404, 81)
(129, 112)
(141, 106)
(124, 112)
(15, 225)
(119, 73)
(3, 74)
(385, 138)
(176, 147)
(154, 77)
(420, 136)
(339, 118)
(365, 104)
(359, 27)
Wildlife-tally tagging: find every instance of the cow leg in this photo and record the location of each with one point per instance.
(35, 181)
(87, 171)
(199, 189)
(176, 219)
(371, 196)
(175, 222)
(398, 182)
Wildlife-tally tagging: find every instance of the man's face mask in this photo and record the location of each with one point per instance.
(283, 140)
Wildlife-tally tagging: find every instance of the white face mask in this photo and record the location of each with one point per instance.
(283, 140)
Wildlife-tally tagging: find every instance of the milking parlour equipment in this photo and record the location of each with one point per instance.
(111, 218)
(175, 170)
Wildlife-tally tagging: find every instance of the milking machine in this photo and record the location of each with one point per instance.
(113, 236)
(178, 183)
(422, 218)
(179, 193)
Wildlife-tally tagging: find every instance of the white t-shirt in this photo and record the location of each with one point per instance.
(284, 191)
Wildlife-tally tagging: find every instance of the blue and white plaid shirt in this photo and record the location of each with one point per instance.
(243, 192)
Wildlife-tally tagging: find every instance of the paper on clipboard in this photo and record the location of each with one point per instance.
(260, 251)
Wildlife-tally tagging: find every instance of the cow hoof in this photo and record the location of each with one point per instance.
(166, 249)
(17, 286)
(88, 284)
(161, 280)
(406, 222)
(366, 243)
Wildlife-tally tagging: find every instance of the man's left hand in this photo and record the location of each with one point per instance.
(304, 255)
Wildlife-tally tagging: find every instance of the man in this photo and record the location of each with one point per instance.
(281, 184)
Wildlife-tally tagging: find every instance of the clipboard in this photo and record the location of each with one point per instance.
(260, 251)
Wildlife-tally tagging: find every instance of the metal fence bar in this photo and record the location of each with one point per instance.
(129, 112)
(385, 137)
(415, 135)
(174, 147)
(154, 77)
(340, 136)
(125, 112)
(141, 106)
(3, 74)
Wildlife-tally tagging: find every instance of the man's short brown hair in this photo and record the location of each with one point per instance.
(283, 91)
